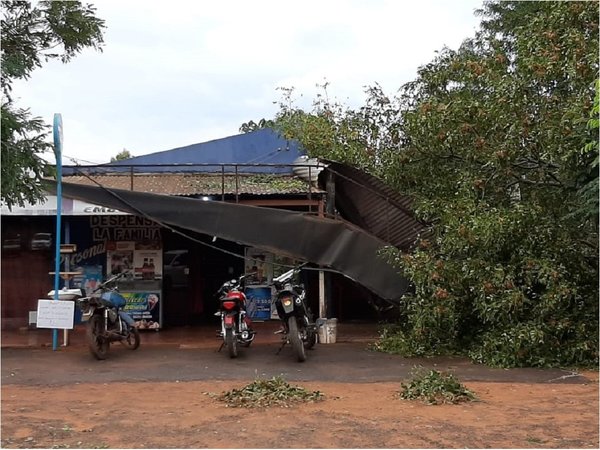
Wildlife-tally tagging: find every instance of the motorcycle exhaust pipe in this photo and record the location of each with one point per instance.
(112, 337)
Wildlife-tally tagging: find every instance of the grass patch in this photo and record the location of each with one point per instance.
(435, 388)
(263, 393)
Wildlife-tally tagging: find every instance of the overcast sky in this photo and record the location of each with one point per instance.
(181, 72)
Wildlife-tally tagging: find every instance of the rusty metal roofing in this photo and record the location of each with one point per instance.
(370, 204)
(198, 184)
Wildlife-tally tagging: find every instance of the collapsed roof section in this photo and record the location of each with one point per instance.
(334, 244)
(370, 204)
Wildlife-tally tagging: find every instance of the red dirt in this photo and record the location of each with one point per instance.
(353, 415)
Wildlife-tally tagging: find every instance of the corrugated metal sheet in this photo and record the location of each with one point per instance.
(337, 245)
(370, 204)
(197, 184)
(264, 148)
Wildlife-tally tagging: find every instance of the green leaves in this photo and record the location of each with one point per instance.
(50, 30)
(30, 37)
(493, 136)
(273, 392)
(23, 140)
(435, 388)
(497, 145)
(122, 155)
(366, 138)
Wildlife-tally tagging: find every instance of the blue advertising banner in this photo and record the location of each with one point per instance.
(258, 303)
(89, 279)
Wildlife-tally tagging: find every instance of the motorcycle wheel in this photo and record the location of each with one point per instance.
(132, 340)
(97, 344)
(231, 343)
(308, 332)
(311, 339)
(296, 340)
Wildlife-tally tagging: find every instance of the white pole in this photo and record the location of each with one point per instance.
(322, 312)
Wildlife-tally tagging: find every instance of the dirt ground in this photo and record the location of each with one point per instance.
(353, 415)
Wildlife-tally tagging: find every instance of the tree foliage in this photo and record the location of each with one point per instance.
(495, 144)
(32, 35)
(124, 154)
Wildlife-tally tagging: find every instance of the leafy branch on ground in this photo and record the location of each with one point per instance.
(262, 393)
(435, 388)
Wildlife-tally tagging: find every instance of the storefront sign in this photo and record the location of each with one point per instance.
(85, 254)
(70, 207)
(124, 228)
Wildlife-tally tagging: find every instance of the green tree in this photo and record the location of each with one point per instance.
(367, 138)
(32, 35)
(124, 154)
(495, 145)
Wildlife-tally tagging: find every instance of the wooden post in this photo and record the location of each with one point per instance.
(330, 187)
(330, 211)
(322, 309)
(237, 198)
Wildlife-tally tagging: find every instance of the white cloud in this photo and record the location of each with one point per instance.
(177, 73)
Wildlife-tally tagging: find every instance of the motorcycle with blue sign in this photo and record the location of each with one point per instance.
(236, 326)
(107, 322)
(298, 327)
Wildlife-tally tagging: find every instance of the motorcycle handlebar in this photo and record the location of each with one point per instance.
(110, 280)
(235, 283)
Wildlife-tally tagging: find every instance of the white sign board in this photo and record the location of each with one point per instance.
(55, 314)
(70, 207)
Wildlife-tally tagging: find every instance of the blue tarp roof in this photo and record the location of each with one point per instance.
(264, 146)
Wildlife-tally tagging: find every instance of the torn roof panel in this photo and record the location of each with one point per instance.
(333, 244)
(367, 202)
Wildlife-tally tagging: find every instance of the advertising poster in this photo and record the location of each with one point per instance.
(259, 267)
(258, 302)
(90, 278)
(119, 256)
(144, 308)
(147, 261)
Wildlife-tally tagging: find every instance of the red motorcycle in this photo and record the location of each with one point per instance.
(236, 326)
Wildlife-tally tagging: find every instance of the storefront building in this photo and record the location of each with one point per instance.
(173, 273)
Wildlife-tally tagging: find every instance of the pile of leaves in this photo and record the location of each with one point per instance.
(273, 392)
(435, 388)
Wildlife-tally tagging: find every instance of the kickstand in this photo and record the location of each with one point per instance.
(222, 345)
(282, 345)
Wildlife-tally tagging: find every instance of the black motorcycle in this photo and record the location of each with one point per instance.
(298, 326)
(106, 320)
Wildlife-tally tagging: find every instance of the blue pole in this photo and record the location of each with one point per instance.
(57, 132)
